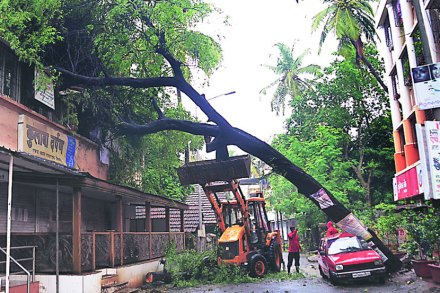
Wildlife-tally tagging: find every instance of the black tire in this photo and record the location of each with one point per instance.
(381, 280)
(333, 280)
(257, 266)
(322, 273)
(275, 257)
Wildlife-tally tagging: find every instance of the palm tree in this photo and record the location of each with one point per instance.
(288, 69)
(349, 20)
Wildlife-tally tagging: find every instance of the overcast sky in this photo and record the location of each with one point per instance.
(255, 26)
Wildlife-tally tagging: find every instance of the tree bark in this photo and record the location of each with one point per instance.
(374, 73)
(370, 67)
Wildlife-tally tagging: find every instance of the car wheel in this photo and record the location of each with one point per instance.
(333, 280)
(382, 280)
(257, 266)
(322, 273)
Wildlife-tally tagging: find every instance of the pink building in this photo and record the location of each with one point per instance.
(54, 196)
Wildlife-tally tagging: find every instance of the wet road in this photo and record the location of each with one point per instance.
(405, 282)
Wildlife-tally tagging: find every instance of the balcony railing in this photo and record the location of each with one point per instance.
(98, 249)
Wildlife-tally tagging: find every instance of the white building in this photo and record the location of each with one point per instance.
(410, 45)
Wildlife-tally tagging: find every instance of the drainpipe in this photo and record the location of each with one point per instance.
(8, 225)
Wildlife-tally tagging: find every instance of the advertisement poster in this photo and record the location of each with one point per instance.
(407, 184)
(45, 142)
(432, 129)
(322, 198)
(352, 225)
(46, 95)
(424, 173)
(426, 83)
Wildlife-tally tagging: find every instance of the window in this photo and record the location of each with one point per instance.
(9, 73)
(406, 69)
(388, 35)
(418, 47)
(397, 13)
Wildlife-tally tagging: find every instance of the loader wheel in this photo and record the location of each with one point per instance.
(275, 256)
(257, 266)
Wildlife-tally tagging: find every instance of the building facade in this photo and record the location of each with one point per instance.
(60, 217)
(409, 32)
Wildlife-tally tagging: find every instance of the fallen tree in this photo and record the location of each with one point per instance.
(107, 44)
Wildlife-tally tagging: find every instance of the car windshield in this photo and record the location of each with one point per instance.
(346, 244)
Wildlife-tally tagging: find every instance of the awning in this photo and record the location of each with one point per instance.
(29, 169)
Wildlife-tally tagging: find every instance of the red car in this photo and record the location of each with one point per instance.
(344, 257)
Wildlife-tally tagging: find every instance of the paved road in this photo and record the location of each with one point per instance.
(406, 282)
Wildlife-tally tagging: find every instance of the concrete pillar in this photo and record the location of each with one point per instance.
(397, 41)
(396, 117)
(408, 23)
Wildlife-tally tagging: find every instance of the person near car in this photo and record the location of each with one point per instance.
(331, 230)
(294, 249)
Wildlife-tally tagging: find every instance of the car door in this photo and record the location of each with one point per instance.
(322, 256)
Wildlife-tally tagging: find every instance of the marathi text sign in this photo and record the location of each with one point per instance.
(406, 184)
(45, 142)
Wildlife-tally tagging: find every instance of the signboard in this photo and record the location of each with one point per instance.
(406, 184)
(426, 83)
(432, 129)
(45, 142)
(45, 95)
(424, 173)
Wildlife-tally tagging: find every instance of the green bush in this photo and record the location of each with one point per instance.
(190, 268)
(423, 231)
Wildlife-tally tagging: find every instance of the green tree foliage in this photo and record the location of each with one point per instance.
(289, 81)
(349, 20)
(118, 38)
(339, 133)
(349, 100)
(28, 26)
(321, 156)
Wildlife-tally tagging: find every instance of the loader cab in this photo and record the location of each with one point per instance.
(258, 223)
(231, 213)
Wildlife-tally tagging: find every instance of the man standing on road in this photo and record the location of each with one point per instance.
(294, 248)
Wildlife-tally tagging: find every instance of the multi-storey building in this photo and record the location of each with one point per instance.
(409, 32)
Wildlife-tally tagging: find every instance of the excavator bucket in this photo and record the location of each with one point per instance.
(202, 172)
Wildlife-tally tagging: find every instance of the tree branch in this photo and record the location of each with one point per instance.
(88, 81)
(157, 109)
(169, 124)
